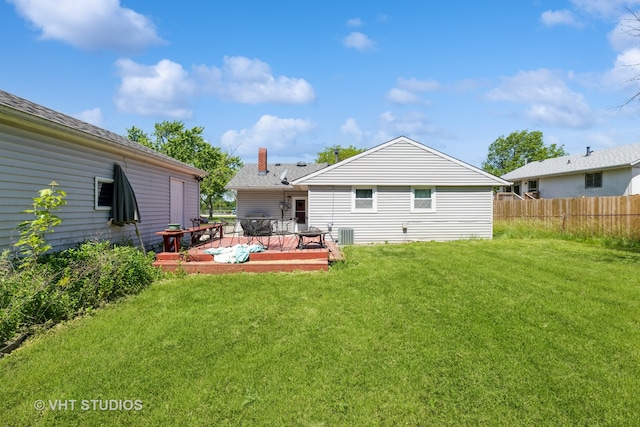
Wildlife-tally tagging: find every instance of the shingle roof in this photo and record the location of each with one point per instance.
(610, 158)
(16, 103)
(248, 176)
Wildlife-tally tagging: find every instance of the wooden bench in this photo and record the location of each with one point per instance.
(171, 239)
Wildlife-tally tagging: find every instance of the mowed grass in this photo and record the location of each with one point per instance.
(503, 332)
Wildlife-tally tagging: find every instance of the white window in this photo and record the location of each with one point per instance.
(103, 193)
(364, 199)
(422, 199)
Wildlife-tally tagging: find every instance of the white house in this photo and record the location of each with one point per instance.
(265, 189)
(609, 172)
(39, 145)
(397, 191)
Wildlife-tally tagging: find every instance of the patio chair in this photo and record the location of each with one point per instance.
(285, 229)
(257, 228)
(235, 232)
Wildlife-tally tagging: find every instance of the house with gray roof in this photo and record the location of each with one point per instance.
(39, 145)
(398, 191)
(609, 172)
(266, 189)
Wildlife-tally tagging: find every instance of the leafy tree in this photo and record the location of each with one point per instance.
(512, 152)
(189, 146)
(328, 154)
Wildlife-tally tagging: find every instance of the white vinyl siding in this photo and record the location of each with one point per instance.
(402, 163)
(30, 161)
(463, 212)
(266, 202)
(615, 182)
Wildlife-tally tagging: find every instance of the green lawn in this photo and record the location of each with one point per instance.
(503, 332)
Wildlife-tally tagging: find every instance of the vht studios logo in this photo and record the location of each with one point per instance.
(89, 405)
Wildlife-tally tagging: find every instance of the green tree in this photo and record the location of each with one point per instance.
(32, 242)
(328, 154)
(512, 152)
(189, 146)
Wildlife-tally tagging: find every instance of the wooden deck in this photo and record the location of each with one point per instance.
(280, 255)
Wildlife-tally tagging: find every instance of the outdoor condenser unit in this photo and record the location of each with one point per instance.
(345, 236)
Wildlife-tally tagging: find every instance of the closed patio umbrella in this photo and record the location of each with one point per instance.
(124, 207)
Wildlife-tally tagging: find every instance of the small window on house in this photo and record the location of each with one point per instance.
(364, 199)
(593, 180)
(103, 193)
(533, 185)
(422, 199)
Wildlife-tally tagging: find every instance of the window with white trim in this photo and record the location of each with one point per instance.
(103, 193)
(422, 199)
(364, 199)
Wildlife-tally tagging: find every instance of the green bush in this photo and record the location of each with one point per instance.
(64, 284)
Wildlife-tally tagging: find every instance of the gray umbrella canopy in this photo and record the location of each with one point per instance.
(124, 206)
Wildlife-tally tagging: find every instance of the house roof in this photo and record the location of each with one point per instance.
(401, 161)
(610, 158)
(31, 115)
(249, 178)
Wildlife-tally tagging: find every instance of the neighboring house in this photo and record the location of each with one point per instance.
(39, 145)
(265, 189)
(609, 172)
(397, 191)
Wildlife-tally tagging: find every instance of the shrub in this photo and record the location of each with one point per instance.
(97, 272)
(64, 284)
(47, 289)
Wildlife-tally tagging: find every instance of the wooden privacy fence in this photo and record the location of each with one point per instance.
(617, 216)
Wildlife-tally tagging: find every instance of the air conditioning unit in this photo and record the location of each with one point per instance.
(345, 236)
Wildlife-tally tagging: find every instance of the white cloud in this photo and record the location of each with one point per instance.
(161, 90)
(359, 41)
(402, 96)
(413, 125)
(249, 81)
(166, 89)
(90, 24)
(416, 85)
(550, 100)
(626, 33)
(625, 72)
(605, 8)
(351, 128)
(354, 22)
(558, 17)
(93, 116)
(269, 131)
(407, 90)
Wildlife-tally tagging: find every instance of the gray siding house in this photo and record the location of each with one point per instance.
(397, 191)
(39, 145)
(265, 189)
(610, 172)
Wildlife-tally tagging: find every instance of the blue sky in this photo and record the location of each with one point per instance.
(298, 76)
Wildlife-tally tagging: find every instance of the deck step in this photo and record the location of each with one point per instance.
(292, 255)
(208, 267)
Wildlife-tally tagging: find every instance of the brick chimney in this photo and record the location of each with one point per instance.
(262, 161)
